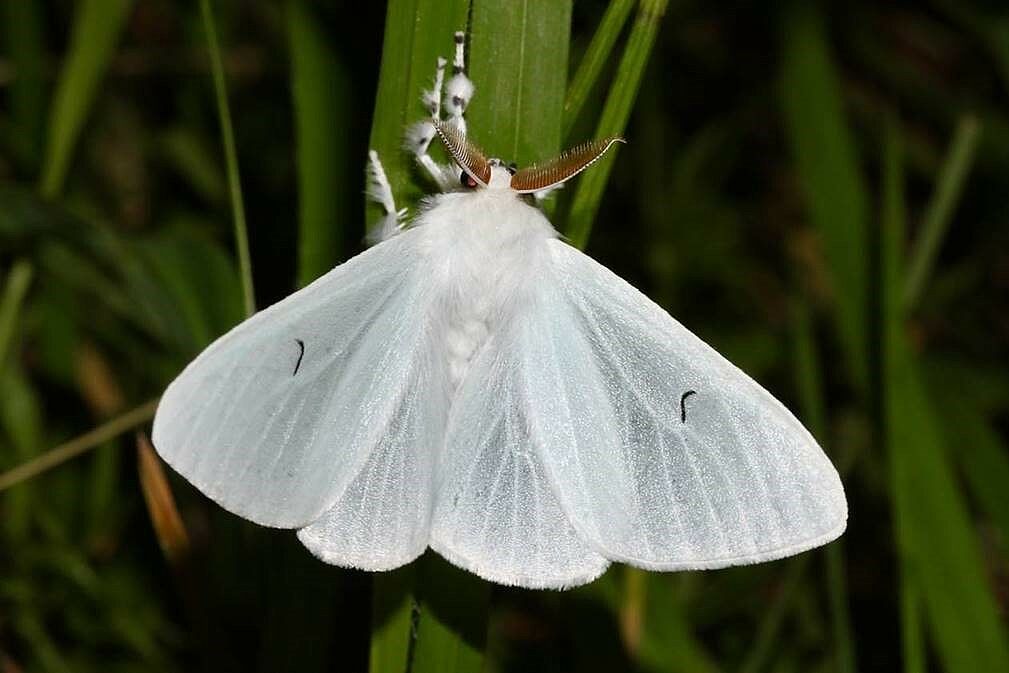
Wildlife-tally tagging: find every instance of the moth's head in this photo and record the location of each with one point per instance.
(500, 175)
(480, 172)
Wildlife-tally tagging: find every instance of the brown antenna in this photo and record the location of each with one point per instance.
(467, 155)
(569, 164)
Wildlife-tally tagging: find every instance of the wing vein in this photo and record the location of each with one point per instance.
(266, 432)
(759, 477)
(593, 326)
(212, 440)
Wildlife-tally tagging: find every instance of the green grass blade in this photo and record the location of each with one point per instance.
(96, 29)
(518, 55)
(667, 639)
(417, 32)
(14, 290)
(321, 96)
(452, 632)
(984, 460)
(616, 112)
(75, 447)
(809, 380)
(231, 159)
(837, 593)
(827, 166)
(891, 239)
(949, 575)
(392, 607)
(30, 627)
(959, 607)
(21, 422)
(194, 160)
(19, 414)
(594, 60)
(198, 280)
(940, 209)
(518, 61)
(912, 631)
(768, 630)
(810, 387)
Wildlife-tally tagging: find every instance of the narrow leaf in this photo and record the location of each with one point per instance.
(195, 162)
(321, 92)
(392, 609)
(21, 421)
(984, 460)
(940, 209)
(452, 631)
(96, 30)
(668, 640)
(959, 607)
(810, 387)
(840, 612)
(613, 122)
(676, 647)
(596, 56)
(949, 577)
(891, 239)
(20, 417)
(912, 629)
(518, 62)
(809, 379)
(14, 290)
(518, 54)
(828, 170)
(766, 639)
(417, 33)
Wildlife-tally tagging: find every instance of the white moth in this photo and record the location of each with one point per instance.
(476, 385)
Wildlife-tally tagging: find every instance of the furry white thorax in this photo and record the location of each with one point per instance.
(483, 246)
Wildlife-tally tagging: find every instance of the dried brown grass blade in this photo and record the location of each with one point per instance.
(569, 164)
(465, 153)
(168, 526)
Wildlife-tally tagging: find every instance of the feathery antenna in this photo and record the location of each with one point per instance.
(467, 155)
(569, 164)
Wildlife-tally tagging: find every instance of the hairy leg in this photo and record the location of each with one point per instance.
(380, 191)
(458, 92)
(455, 95)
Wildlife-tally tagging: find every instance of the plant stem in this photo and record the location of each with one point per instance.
(78, 445)
(231, 159)
(939, 211)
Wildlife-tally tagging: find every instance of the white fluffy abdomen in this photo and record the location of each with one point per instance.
(463, 339)
(486, 249)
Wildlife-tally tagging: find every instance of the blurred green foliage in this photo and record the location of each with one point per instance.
(818, 190)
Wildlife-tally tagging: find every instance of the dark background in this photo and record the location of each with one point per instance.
(715, 209)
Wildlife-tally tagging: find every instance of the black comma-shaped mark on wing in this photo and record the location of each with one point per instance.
(683, 405)
(301, 354)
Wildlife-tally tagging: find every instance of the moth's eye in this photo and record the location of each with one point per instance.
(467, 180)
(512, 168)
